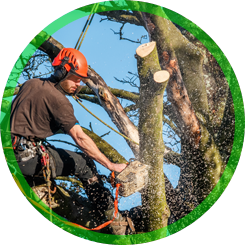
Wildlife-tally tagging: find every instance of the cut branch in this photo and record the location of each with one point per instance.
(177, 93)
(153, 82)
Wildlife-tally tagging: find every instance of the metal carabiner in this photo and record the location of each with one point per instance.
(22, 143)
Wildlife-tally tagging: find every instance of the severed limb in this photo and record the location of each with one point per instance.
(176, 90)
(153, 82)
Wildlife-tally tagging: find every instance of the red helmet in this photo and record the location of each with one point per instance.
(73, 61)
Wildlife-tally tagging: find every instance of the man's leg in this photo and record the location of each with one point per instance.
(72, 163)
(28, 228)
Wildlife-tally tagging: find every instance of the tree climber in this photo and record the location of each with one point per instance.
(40, 109)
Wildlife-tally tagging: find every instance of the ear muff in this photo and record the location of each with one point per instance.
(60, 73)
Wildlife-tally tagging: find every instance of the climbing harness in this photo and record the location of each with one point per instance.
(45, 161)
(86, 26)
(26, 149)
(79, 102)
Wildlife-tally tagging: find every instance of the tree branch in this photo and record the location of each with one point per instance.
(110, 152)
(72, 180)
(158, 29)
(216, 27)
(114, 109)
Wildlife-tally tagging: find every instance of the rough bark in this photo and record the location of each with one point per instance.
(111, 153)
(177, 94)
(108, 100)
(155, 208)
(223, 224)
(114, 109)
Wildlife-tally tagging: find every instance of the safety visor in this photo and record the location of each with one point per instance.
(76, 74)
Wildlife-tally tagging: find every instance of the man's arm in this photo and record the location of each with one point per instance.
(87, 145)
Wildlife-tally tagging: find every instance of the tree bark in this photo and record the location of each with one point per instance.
(177, 94)
(153, 82)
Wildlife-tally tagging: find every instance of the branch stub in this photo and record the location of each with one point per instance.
(161, 76)
(145, 49)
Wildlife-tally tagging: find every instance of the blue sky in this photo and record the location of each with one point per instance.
(109, 57)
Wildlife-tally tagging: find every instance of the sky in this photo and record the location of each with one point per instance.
(110, 57)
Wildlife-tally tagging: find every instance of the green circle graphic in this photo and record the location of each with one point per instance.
(239, 122)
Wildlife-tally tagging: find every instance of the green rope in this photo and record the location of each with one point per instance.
(124, 136)
(86, 26)
(84, 31)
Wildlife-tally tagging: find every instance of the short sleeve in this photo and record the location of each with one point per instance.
(64, 117)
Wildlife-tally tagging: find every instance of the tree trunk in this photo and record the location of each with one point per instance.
(153, 82)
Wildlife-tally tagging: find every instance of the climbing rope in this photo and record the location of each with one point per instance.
(86, 26)
(46, 172)
(124, 136)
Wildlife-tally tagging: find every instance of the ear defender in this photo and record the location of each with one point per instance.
(60, 73)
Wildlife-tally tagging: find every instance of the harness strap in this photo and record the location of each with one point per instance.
(46, 171)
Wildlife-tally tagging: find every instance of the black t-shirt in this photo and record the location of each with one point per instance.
(40, 110)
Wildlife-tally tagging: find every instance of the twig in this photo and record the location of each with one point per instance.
(72, 180)
(130, 81)
(63, 141)
(120, 33)
(105, 134)
(90, 125)
(130, 108)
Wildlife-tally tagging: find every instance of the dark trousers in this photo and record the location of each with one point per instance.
(73, 163)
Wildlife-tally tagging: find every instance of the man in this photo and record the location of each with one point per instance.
(41, 109)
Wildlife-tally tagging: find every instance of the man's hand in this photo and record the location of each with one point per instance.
(118, 167)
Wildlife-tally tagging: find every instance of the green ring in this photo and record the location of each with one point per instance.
(239, 125)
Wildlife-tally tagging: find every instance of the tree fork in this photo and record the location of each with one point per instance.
(158, 29)
(153, 83)
(114, 109)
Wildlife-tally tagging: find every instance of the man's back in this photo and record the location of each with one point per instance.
(40, 110)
